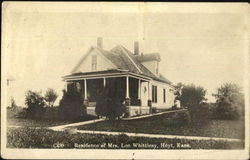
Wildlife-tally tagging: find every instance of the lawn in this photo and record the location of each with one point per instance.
(24, 122)
(26, 137)
(158, 125)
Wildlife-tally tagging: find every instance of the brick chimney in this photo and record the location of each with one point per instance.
(136, 48)
(99, 42)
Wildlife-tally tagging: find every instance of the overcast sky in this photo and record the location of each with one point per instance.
(202, 44)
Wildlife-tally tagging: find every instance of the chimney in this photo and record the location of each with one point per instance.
(99, 42)
(136, 48)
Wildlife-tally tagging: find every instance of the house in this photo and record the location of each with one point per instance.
(138, 77)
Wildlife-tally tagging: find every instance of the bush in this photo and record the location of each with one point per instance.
(174, 107)
(229, 102)
(179, 119)
(202, 112)
(71, 106)
(109, 103)
(17, 112)
(35, 103)
(154, 110)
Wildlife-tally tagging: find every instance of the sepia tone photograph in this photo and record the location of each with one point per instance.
(125, 80)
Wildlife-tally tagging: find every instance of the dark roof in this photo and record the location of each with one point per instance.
(125, 61)
(124, 53)
(148, 57)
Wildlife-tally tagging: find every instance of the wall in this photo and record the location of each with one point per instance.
(169, 95)
(102, 63)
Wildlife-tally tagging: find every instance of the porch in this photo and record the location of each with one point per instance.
(133, 90)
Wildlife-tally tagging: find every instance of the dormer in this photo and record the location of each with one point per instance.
(150, 60)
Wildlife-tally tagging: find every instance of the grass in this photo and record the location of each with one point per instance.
(25, 122)
(158, 125)
(26, 137)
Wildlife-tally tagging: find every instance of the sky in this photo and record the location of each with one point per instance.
(203, 44)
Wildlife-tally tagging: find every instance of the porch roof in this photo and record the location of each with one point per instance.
(102, 74)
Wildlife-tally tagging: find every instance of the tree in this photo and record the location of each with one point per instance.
(71, 105)
(35, 103)
(229, 101)
(50, 97)
(192, 95)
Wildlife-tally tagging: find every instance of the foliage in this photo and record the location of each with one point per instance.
(44, 138)
(192, 95)
(71, 105)
(109, 104)
(177, 92)
(16, 112)
(229, 101)
(50, 97)
(178, 119)
(35, 103)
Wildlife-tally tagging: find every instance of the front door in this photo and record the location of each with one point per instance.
(144, 93)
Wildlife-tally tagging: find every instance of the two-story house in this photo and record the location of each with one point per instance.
(138, 78)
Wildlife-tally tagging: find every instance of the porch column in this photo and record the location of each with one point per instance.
(127, 99)
(149, 96)
(139, 95)
(104, 82)
(66, 86)
(85, 99)
(127, 87)
(85, 89)
(139, 89)
(149, 91)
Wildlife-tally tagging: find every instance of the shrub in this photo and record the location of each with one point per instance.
(154, 110)
(174, 107)
(71, 105)
(179, 119)
(35, 103)
(109, 103)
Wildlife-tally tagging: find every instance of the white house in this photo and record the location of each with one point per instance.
(140, 83)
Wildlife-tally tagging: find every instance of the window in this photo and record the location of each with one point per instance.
(154, 94)
(94, 62)
(164, 95)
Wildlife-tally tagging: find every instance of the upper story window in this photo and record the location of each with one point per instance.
(94, 62)
(154, 94)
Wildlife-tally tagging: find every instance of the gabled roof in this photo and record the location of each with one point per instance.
(123, 59)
